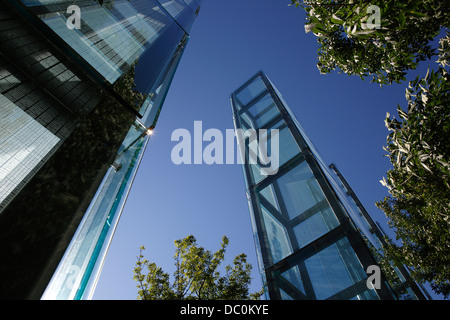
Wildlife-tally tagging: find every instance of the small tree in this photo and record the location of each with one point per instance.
(419, 183)
(196, 275)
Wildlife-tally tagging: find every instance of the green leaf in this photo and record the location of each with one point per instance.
(401, 19)
(418, 14)
(336, 19)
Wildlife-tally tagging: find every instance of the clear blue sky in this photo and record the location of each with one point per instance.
(230, 41)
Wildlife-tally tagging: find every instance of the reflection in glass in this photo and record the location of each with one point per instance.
(276, 236)
(86, 49)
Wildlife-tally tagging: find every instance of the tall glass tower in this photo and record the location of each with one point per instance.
(82, 83)
(313, 237)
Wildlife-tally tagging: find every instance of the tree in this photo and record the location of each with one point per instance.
(196, 275)
(381, 39)
(419, 183)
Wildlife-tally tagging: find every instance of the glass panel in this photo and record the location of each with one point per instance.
(192, 4)
(261, 160)
(269, 194)
(141, 28)
(246, 122)
(334, 269)
(285, 296)
(250, 92)
(271, 161)
(315, 226)
(180, 12)
(173, 7)
(293, 276)
(84, 48)
(115, 41)
(263, 111)
(257, 173)
(288, 146)
(152, 65)
(300, 190)
(276, 236)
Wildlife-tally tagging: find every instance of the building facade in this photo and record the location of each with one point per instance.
(314, 239)
(82, 84)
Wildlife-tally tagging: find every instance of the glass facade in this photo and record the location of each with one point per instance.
(77, 108)
(313, 240)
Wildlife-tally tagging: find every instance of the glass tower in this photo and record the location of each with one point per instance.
(82, 84)
(313, 237)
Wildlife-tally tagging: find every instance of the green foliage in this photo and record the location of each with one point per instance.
(419, 183)
(196, 275)
(126, 88)
(385, 52)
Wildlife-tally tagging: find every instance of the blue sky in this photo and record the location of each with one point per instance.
(230, 41)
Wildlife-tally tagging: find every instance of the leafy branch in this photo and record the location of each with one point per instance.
(402, 39)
